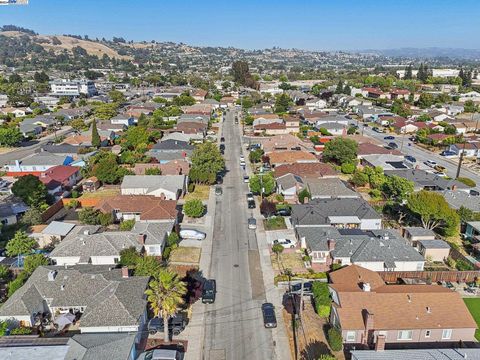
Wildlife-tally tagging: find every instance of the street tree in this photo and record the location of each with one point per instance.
(278, 250)
(10, 136)
(207, 162)
(165, 295)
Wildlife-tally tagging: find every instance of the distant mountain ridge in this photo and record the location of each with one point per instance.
(426, 53)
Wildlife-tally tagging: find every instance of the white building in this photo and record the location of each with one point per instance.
(64, 87)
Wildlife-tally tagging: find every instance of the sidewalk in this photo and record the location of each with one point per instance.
(273, 294)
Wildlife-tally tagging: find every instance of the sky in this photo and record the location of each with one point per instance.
(259, 24)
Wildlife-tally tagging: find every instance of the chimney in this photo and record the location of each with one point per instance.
(454, 187)
(141, 239)
(125, 272)
(369, 320)
(86, 232)
(380, 344)
(331, 244)
(52, 275)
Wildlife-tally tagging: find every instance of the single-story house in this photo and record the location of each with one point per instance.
(167, 187)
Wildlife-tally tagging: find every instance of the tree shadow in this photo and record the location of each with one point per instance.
(194, 279)
(314, 349)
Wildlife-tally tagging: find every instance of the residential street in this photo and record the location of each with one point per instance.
(422, 155)
(233, 324)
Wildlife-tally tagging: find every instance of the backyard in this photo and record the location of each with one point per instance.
(473, 305)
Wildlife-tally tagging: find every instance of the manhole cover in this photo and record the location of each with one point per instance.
(236, 265)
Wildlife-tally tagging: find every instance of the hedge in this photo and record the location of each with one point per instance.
(334, 338)
(321, 297)
(467, 181)
(310, 276)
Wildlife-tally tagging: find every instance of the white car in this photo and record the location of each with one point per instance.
(246, 179)
(286, 243)
(430, 163)
(192, 234)
(242, 158)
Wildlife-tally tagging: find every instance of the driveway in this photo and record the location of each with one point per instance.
(280, 234)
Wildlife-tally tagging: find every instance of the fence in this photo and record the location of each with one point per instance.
(434, 276)
(52, 210)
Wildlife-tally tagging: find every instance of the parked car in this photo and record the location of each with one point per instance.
(176, 324)
(246, 179)
(222, 147)
(192, 234)
(392, 146)
(440, 168)
(218, 190)
(286, 243)
(389, 137)
(250, 196)
(448, 154)
(161, 354)
(251, 204)
(284, 212)
(430, 163)
(252, 223)
(410, 158)
(209, 291)
(269, 318)
(307, 288)
(222, 139)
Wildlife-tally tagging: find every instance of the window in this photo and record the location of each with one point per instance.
(428, 333)
(404, 335)
(446, 334)
(351, 336)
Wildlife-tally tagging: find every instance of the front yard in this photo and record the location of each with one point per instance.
(288, 260)
(274, 223)
(473, 305)
(201, 192)
(185, 255)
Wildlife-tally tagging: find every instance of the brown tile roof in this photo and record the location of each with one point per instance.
(270, 126)
(176, 167)
(305, 170)
(265, 116)
(290, 157)
(284, 142)
(149, 207)
(372, 149)
(354, 275)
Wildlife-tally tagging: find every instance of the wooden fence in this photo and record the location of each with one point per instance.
(52, 210)
(433, 276)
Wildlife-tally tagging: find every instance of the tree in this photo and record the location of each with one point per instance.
(426, 100)
(282, 103)
(135, 136)
(78, 125)
(105, 219)
(173, 239)
(267, 208)
(4, 272)
(147, 266)
(10, 136)
(16, 284)
(339, 88)
(31, 190)
(183, 100)
(96, 141)
(470, 106)
(165, 295)
(153, 171)
(348, 168)
(127, 225)
(21, 244)
(89, 216)
(397, 188)
(15, 78)
(304, 194)
(207, 162)
(33, 216)
(359, 178)
(408, 73)
(347, 90)
(262, 184)
(194, 208)
(105, 167)
(277, 250)
(41, 77)
(241, 74)
(129, 257)
(106, 111)
(116, 96)
(340, 150)
(434, 212)
(31, 262)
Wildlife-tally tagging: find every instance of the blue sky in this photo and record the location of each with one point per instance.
(316, 25)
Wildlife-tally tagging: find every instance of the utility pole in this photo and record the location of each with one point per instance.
(301, 299)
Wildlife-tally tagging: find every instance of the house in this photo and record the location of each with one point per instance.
(285, 142)
(198, 109)
(471, 95)
(155, 235)
(367, 148)
(399, 94)
(11, 208)
(186, 138)
(61, 150)
(331, 119)
(90, 291)
(103, 346)
(84, 139)
(197, 129)
(78, 112)
(374, 93)
(289, 186)
(472, 231)
(170, 150)
(431, 354)
(385, 161)
(272, 128)
(122, 119)
(175, 167)
(290, 157)
(36, 164)
(306, 170)
(456, 199)
(315, 104)
(292, 123)
(60, 179)
(49, 101)
(199, 94)
(377, 250)
(434, 250)
(468, 149)
(166, 187)
(424, 180)
(194, 118)
(415, 234)
(349, 213)
(329, 188)
(137, 110)
(370, 112)
(370, 313)
(91, 184)
(334, 128)
(72, 88)
(29, 130)
(132, 207)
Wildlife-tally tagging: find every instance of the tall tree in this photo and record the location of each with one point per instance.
(10, 136)
(207, 162)
(31, 190)
(340, 150)
(20, 244)
(408, 72)
(166, 294)
(339, 88)
(96, 141)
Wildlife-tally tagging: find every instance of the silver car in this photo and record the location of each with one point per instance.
(252, 223)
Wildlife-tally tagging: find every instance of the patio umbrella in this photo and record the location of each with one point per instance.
(64, 320)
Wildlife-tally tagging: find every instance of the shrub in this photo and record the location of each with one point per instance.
(75, 194)
(451, 262)
(173, 239)
(321, 297)
(334, 338)
(467, 181)
(302, 195)
(127, 225)
(105, 219)
(89, 216)
(129, 257)
(375, 194)
(326, 357)
(463, 265)
(16, 284)
(359, 178)
(348, 168)
(21, 331)
(166, 252)
(194, 208)
(191, 187)
(153, 171)
(73, 204)
(336, 266)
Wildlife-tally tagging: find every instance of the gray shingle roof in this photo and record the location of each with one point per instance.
(329, 187)
(172, 183)
(172, 145)
(108, 298)
(288, 181)
(318, 211)
(417, 354)
(103, 346)
(419, 231)
(27, 352)
(434, 244)
(156, 232)
(43, 159)
(456, 199)
(422, 178)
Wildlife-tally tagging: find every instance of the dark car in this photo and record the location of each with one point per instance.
(410, 158)
(251, 204)
(176, 324)
(283, 212)
(269, 318)
(219, 179)
(392, 146)
(209, 291)
(389, 137)
(222, 147)
(307, 288)
(222, 139)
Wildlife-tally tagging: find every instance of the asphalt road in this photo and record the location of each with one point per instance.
(422, 155)
(27, 149)
(233, 324)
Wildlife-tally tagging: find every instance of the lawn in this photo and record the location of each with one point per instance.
(473, 305)
(190, 255)
(274, 223)
(202, 192)
(100, 193)
(290, 260)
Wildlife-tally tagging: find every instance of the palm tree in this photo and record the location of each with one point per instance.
(165, 294)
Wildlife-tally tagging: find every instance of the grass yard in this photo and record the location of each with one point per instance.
(202, 192)
(274, 223)
(190, 255)
(473, 305)
(290, 260)
(100, 193)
